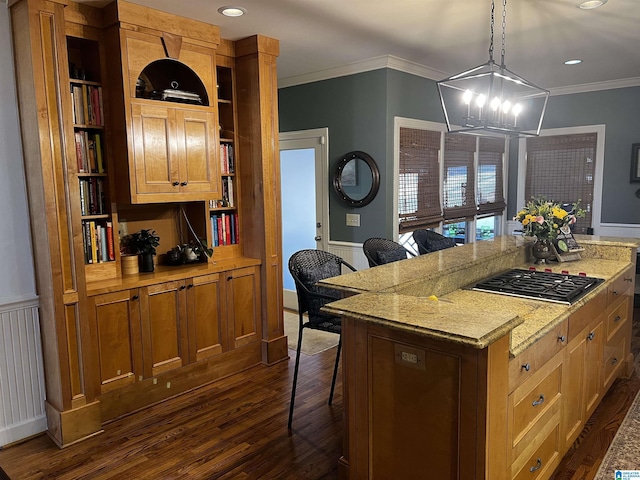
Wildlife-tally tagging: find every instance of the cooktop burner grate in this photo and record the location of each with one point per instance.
(547, 286)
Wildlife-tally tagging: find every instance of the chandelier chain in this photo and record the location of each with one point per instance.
(491, 40)
(504, 28)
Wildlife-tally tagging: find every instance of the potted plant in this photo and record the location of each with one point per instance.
(143, 244)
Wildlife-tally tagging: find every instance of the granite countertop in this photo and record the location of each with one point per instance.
(397, 294)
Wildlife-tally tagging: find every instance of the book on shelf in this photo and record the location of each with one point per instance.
(98, 241)
(226, 158)
(87, 105)
(224, 228)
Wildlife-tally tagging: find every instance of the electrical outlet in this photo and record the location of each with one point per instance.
(353, 219)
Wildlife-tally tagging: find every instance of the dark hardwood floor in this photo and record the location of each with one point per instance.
(237, 429)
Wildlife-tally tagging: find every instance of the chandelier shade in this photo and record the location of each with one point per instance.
(492, 100)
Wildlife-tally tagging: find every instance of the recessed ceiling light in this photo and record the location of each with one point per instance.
(590, 4)
(232, 11)
(573, 62)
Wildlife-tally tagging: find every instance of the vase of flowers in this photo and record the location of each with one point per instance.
(541, 219)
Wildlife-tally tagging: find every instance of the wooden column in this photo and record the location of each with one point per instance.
(44, 104)
(260, 169)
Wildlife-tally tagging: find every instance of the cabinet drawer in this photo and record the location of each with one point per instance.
(614, 355)
(542, 462)
(621, 286)
(531, 404)
(533, 358)
(588, 312)
(617, 318)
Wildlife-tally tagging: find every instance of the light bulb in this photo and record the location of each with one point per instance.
(506, 106)
(480, 100)
(466, 98)
(495, 103)
(517, 108)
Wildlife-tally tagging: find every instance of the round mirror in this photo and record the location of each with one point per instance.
(356, 179)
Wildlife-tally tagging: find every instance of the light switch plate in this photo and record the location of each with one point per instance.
(353, 220)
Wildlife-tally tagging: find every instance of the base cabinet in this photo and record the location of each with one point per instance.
(146, 332)
(116, 317)
(163, 324)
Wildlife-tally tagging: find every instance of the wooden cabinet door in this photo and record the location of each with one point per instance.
(117, 321)
(243, 303)
(205, 317)
(155, 149)
(593, 360)
(197, 151)
(581, 382)
(163, 320)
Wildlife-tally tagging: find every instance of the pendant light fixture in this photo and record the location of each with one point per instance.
(492, 100)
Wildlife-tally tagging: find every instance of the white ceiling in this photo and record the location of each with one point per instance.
(437, 38)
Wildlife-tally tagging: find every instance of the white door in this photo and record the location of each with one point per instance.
(304, 183)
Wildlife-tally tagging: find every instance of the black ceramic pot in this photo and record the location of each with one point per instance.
(145, 262)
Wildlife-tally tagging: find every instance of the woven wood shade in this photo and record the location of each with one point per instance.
(562, 168)
(490, 176)
(419, 177)
(459, 176)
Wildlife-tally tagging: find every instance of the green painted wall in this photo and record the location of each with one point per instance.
(359, 111)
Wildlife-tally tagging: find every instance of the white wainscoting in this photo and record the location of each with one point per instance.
(22, 392)
(351, 253)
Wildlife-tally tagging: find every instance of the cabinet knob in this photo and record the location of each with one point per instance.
(591, 336)
(183, 184)
(182, 287)
(175, 184)
(229, 278)
(190, 285)
(562, 338)
(614, 360)
(539, 401)
(526, 367)
(135, 297)
(615, 292)
(536, 466)
(617, 319)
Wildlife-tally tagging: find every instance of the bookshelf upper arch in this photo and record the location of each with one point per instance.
(171, 80)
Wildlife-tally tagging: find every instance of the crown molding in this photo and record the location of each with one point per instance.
(375, 63)
(596, 86)
(406, 66)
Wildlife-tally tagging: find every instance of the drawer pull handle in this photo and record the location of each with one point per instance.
(536, 466)
(540, 401)
(591, 336)
(526, 367)
(628, 279)
(617, 319)
(614, 360)
(562, 338)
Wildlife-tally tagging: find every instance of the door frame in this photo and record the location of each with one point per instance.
(318, 139)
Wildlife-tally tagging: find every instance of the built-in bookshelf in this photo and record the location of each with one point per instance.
(223, 212)
(88, 109)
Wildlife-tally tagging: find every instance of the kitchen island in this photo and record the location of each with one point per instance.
(441, 381)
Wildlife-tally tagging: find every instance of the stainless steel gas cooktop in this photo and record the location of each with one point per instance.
(547, 286)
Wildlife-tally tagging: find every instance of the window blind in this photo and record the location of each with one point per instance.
(490, 176)
(459, 176)
(419, 179)
(562, 168)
